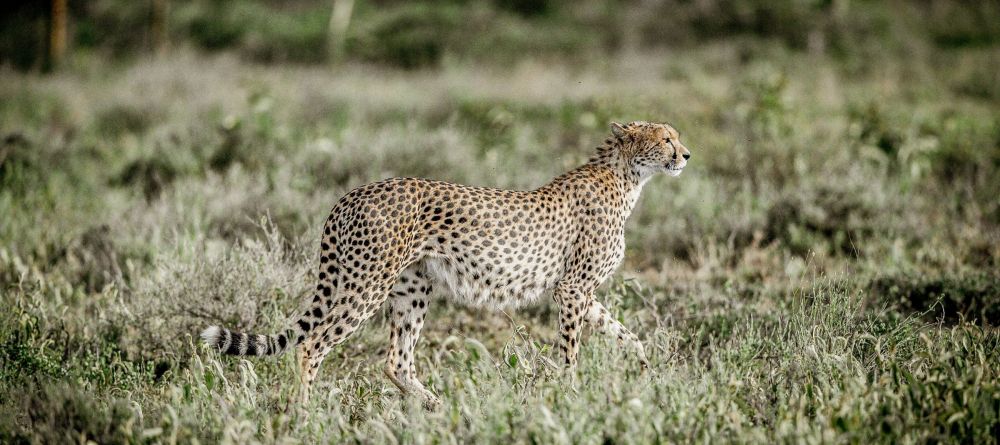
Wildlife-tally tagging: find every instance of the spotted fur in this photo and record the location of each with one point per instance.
(394, 240)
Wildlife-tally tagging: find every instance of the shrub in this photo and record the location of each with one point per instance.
(23, 353)
(22, 42)
(258, 30)
(124, 119)
(410, 36)
(952, 299)
(962, 22)
(60, 412)
(817, 25)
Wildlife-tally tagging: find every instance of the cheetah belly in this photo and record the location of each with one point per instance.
(507, 285)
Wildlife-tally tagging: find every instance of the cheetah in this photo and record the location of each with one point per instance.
(394, 240)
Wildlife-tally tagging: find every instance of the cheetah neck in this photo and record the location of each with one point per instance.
(633, 187)
(620, 177)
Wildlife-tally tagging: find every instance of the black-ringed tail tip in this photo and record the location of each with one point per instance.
(237, 343)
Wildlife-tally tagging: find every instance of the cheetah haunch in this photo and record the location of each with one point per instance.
(393, 240)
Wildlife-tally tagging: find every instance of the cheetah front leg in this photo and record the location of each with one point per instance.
(408, 305)
(600, 319)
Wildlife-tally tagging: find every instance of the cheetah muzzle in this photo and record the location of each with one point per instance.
(396, 239)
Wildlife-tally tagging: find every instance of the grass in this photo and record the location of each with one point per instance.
(824, 271)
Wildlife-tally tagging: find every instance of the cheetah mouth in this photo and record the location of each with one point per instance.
(673, 171)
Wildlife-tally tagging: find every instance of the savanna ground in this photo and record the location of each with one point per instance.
(825, 270)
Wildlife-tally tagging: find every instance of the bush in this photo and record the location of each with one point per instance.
(23, 354)
(18, 159)
(968, 148)
(816, 25)
(976, 75)
(293, 37)
(259, 31)
(962, 22)
(121, 27)
(23, 42)
(124, 119)
(822, 218)
(156, 167)
(411, 36)
(952, 299)
(60, 412)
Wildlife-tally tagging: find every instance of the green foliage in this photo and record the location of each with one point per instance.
(119, 120)
(412, 35)
(956, 299)
(211, 27)
(60, 412)
(258, 31)
(967, 148)
(22, 42)
(976, 77)
(120, 27)
(838, 27)
(822, 218)
(23, 354)
(296, 37)
(420, 34)
(963, 23)
(424, 33)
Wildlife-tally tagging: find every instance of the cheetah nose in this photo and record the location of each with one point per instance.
(687, 156)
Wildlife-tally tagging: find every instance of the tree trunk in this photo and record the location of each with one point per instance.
(340, 18)
(160, 30)
(57, 34)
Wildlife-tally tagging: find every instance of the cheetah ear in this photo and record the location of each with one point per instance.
(617, 129)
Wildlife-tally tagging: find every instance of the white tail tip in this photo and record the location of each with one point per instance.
(211, 335)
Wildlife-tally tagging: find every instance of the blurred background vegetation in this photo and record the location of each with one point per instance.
(826, 269)
(414, 34)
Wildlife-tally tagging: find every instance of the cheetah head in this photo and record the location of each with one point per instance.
(650, 148)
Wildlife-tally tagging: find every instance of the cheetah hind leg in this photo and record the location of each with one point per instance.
(408, 305)
(312, 352)
(338, 323)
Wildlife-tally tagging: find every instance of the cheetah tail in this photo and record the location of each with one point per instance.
(238, 343)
